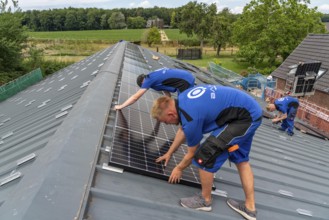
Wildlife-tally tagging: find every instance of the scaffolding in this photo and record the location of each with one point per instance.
(224, 74)
(253, 83)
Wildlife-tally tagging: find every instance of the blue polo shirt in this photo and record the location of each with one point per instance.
(171, 80)
(204, 108)
(285, 103)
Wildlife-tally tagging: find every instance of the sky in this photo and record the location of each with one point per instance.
(236, 6)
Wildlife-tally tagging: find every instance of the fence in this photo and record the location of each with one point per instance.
(189, 54)
(20, 84)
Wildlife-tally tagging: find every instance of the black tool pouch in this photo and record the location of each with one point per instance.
(208, 152)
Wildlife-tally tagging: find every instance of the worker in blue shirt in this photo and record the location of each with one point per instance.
(287, 107)
(231, 116)
(165, 79)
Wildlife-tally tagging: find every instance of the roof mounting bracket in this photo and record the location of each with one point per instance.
(111, 168)
(220, 193)
(304, 212)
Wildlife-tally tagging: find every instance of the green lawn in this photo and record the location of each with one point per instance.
(226, 62)
(173, 34)
(100, 35)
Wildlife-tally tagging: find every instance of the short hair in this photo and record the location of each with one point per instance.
(140, 79)
(159, 105)
(269, 107)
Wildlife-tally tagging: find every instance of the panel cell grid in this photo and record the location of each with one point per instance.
(139, 139)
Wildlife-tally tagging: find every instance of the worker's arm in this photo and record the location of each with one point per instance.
(179, 139)
(131, 100)
(177, 172)
(280, 117)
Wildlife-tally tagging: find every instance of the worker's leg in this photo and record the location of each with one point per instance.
(247, 180)
(290, 120)
(207, 180)
(284, 125)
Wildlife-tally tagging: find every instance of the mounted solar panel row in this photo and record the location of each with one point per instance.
(138, 139)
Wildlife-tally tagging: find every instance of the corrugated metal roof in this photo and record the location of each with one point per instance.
(315, 47)
(67, 176)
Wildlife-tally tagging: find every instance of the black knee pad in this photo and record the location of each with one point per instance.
(208, 152)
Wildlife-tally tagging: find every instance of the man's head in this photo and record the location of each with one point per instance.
(270, 107)
(140, 79)
(164, 110)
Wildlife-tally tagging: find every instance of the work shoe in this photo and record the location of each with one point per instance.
(196, 202)
(242, 209)
(281, 129)
(290, 133)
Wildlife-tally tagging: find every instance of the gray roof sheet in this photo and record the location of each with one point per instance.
(315, 47)
(68, 177)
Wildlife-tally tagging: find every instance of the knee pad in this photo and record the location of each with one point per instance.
(208, 152)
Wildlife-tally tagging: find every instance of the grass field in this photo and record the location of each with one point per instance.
(72, 46)
(109, 36)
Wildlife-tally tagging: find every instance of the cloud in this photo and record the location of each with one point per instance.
(324, 8)
(145, 4)
(237, 10)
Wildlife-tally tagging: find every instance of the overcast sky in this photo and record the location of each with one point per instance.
(235, 6)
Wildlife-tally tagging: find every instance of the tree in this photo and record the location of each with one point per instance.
(136, 22)
(222, 29)
(173, 22)
(13, 38)
(196, 18)
(104, 19)
(152, 36)
(71, 22)
(268, 29)
(93, 20)
(117, 21)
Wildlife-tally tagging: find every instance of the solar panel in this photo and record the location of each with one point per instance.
(139, 139)
(304, 68)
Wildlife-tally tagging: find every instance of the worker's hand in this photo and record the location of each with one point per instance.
(275, 120)
(166, 157)
(117, 107)
(176, 175)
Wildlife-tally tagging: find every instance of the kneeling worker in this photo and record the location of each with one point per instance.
(166, 80)
(287, 107)
(232, 116)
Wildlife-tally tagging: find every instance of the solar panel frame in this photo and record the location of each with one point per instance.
(138, 139)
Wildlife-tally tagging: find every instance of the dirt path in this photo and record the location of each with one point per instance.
(164, 37)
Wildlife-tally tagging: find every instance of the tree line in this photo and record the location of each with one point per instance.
(265, 32)
(69, 19)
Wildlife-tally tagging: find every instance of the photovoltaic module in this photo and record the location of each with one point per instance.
(138, 139)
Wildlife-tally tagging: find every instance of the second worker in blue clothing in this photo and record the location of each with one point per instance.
(165, 79)
(287, 107)
(232, 117)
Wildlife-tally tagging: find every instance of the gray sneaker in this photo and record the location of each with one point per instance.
(242, 209)
(196, 202)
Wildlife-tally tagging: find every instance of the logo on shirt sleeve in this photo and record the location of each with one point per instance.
(196, 92)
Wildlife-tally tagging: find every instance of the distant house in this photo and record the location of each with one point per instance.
(159, 23)
(314, 101)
